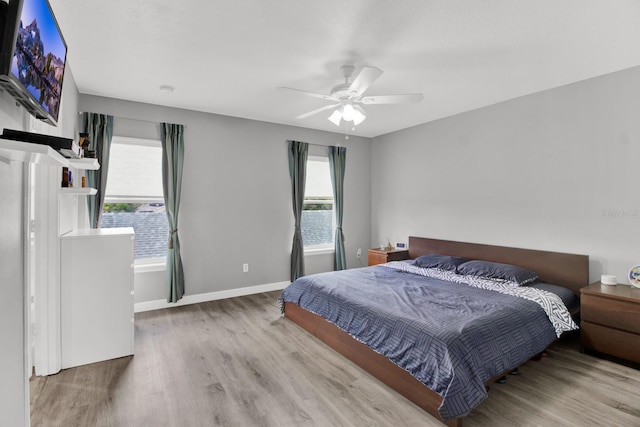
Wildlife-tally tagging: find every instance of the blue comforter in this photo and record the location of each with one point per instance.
(450, 336)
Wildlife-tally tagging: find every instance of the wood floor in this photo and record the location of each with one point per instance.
(236, 362)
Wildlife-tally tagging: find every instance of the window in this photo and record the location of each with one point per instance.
(133, 196)
(318, 222)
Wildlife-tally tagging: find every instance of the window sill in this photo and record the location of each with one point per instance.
(149, 268)
(322, 251)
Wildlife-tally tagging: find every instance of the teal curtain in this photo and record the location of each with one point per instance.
(298, 153)
(337, 161)
(172, 138)
(100, 130)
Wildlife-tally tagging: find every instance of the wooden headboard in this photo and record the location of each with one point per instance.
(568, 270)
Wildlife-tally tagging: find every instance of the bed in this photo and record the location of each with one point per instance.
(444, 382)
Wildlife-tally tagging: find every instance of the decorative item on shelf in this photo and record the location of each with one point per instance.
(84, 144)
(607, 279)
(70, 180)
(634, 276)
(84, 182)
(65, 177)
(386, 246)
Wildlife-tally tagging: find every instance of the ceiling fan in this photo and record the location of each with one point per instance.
(349, 96)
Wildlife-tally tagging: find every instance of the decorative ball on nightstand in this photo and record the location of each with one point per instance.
(634, 276)
(607, 279)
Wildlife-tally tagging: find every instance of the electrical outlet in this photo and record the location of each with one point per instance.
(245, 268)
(359, 253)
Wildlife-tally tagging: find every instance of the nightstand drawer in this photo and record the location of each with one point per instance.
(380, 256)
(376, 258)
(610, 312)
(617, 343)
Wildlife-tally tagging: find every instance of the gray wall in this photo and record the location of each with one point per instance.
(555, 170)
(236, 203)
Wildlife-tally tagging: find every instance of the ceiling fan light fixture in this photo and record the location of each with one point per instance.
(358, 118)
(336, 117)
(348, 113)
(358, 115)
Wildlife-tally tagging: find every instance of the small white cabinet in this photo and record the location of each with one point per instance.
(96, 298)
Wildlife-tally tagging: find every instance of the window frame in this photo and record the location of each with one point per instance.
(330, 247)
(141, 264)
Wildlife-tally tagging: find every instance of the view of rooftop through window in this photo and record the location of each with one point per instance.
(133, 196)
(317, 210)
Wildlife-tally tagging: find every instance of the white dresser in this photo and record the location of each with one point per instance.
(96, 298)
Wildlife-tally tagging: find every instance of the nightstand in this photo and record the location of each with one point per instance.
(380, 256)
(610, 320)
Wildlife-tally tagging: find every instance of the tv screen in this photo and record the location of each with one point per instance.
(38, 61)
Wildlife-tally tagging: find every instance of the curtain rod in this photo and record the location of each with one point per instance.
(317, 145)
(129, 118)
(156, 122)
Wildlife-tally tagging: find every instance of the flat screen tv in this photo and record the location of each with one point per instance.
(33, 54)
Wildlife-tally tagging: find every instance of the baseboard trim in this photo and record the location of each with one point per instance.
(160, 304)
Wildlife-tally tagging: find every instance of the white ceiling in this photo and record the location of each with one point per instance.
(229, 56)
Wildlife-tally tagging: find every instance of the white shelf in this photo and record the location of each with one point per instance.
(85, 163)
(100, 232)
(30, 153)
(79, 191)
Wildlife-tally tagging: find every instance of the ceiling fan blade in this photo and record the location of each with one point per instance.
(364, 79)
(392, 99)
(312, 94)
(319, 110)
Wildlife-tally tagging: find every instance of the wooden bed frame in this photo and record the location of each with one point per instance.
(568, 270)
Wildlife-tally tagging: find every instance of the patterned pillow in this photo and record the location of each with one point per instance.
(443, 262)
(496, 270)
